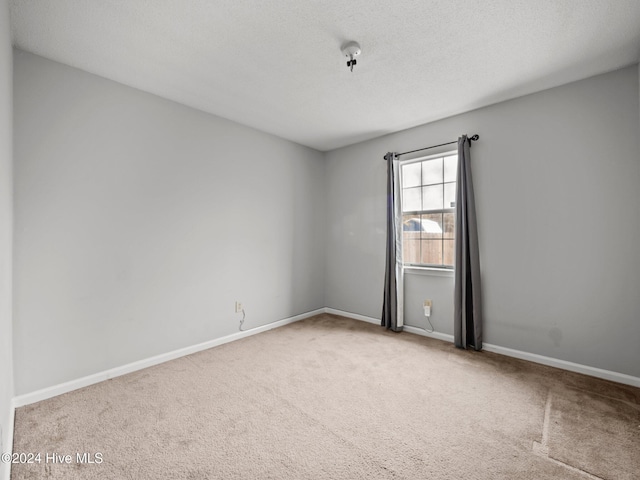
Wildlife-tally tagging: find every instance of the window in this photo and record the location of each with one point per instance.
(428, 210)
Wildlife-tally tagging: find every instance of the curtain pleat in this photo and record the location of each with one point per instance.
(393, 301)
(467, 326)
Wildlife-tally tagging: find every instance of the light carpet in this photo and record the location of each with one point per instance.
(334, 398)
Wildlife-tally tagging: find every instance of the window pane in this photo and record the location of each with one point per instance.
(411, 200)
(429, 190)
(449, 226)
(411, 231)
(432, 171)
(450, 168)
(411, 175)
(449, 253)
(432, 197)
(449, 195)
(411, 223)
(432, 225)
(432, 252)
(410, 250)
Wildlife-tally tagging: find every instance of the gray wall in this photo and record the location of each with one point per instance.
(6, 226)
(556, 176)
(139, 222)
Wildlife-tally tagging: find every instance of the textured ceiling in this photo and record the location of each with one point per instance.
(276, 65)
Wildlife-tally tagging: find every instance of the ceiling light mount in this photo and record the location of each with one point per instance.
(351, 50)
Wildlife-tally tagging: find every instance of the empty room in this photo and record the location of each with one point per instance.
(319, 240)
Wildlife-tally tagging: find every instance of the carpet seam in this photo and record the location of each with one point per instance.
(542, 449)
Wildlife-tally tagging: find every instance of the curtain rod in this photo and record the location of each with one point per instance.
(472, 137)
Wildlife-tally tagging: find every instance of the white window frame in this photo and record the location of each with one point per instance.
(426, 269)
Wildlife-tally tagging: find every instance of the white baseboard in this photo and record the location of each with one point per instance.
(355, 316)
(69, 386)
(5, 468)
(509, 352)
(55, 390)
(406, 328)
(564, 365)
(437, 335)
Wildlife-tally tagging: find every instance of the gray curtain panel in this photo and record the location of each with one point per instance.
(393, 303)
(467, 326)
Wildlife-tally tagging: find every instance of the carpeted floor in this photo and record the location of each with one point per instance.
(334, 398)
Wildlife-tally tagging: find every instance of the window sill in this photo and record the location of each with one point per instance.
(429, 271)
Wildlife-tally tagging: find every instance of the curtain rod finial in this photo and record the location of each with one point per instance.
(475, 137)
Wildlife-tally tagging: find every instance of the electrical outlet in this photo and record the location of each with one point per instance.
(427, 308)
(238, 307)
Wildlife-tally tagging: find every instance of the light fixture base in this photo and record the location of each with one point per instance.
(351, 50)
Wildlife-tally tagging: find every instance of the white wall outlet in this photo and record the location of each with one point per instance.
(427, 308)
(238, 307)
